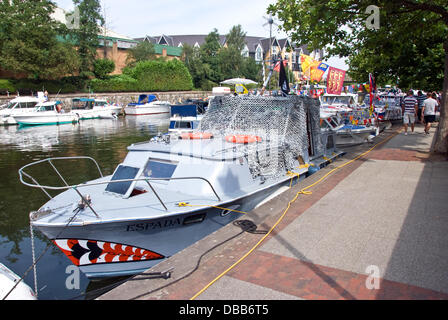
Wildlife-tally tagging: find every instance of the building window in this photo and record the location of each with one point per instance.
(245, 52)
(258, 54)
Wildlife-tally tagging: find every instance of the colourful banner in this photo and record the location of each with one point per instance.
(335, 80)
(317, 70)
(305, 62)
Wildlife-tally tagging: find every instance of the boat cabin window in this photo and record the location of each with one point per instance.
(45, 108)
(183, 125)
(26, 105)
(122, 173)
(156, 168)
(100, 103)
(21, 105)
(82, 105)
(337, 99)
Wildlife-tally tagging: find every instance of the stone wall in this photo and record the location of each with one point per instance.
(124, 98)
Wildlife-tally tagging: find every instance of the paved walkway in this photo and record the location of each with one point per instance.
(375, 229)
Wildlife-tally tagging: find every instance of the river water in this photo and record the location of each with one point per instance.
(105, 141)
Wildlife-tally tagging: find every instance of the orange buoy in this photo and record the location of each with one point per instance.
(241, 138)
(196, 135)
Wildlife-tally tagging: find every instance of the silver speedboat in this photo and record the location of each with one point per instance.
(169, 193)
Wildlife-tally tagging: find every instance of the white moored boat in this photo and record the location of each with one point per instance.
(187, 117)
(171, 192)
(8, 280)
(89, 108)
(47, 113)
(19, 106)
(147, 104)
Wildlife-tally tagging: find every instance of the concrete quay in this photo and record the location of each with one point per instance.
(374, 229)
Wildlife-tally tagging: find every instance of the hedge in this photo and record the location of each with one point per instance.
(156, 75)
(153, 75)
(7, 85)
(121, 83)
(26, 86)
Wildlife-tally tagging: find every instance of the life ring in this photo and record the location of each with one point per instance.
(241, 138)
(196, 135)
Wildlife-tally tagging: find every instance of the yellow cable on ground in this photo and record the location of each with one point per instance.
(303, 191)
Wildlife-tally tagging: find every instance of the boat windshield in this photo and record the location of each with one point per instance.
(122, 173)
(159, 168)
(336, 99)
(49, 107)
(21, 105)
(82, 105)
(100, 103)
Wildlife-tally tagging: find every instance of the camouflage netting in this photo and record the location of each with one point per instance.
(280, 122)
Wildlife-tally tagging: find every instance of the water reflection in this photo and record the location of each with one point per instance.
(105, 140)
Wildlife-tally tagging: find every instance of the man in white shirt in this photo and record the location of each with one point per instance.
(429, 111)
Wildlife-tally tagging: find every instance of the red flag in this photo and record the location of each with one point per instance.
(277, 65)
(335, 80)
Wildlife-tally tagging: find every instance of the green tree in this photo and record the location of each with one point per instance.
(103, 67)
(398, 45)
(230, 59)
(141, 52)
(86, 35)
(252, 70)
(236, 38)
(192, 61)
(34, 48)
(209, 56)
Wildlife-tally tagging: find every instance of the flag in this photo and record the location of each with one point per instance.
(306, 62)
(335, 80)
(317, 70)
(277, 65)
(372, 88)
(283, 80)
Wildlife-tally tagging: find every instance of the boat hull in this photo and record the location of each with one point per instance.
(146, 110)
(346, 137)
(129, 247)
(50, 119)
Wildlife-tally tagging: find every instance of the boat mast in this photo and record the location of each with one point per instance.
(271, 61)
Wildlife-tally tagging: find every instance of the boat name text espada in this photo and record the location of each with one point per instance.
(153, 225)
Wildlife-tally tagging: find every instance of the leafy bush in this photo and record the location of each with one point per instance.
(7, 85)
(159, 75)
(102, 67)
(120, 83)
(65, 85)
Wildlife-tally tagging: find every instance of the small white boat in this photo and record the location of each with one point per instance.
(19, 106)
(147, 104)
(8, 280)
(186, 117)
(343, 102)
(346, 133)
(47, 113)
(169, 193)
(115, 108)
(89, 108)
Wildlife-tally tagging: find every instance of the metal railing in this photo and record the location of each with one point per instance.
(44, 188)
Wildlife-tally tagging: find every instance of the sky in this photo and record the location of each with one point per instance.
(138, 18)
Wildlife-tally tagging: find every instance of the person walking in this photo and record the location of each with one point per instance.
(409, 109)
(429, 111)
(420, 99)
